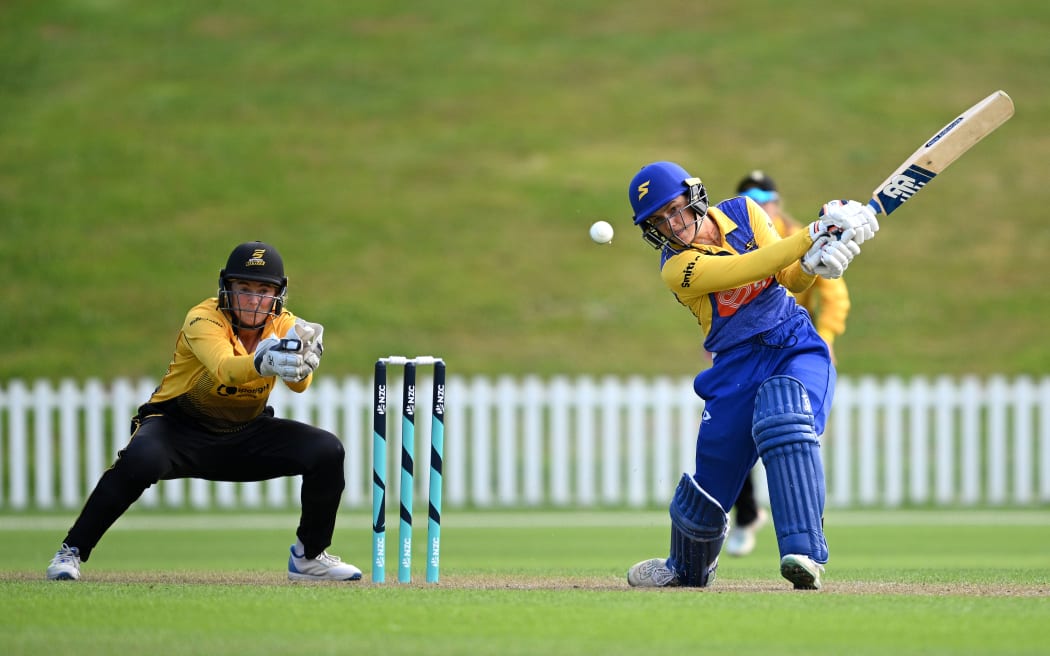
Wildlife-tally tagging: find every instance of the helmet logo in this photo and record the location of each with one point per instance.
(643, 189)
(257, 258)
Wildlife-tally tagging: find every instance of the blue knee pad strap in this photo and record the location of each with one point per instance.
(698, 529)
(787, 443)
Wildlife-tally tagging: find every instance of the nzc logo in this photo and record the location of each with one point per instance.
(381, 400)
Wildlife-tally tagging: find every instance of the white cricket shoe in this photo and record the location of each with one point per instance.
(741, 539)
(65, 566)
(652, 573)
(802, 571)
(325, 567)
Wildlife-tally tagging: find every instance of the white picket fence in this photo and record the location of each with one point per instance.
(563, 441)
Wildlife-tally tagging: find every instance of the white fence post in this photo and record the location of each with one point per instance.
(639, 402)
(587, 402)
(532, 431)
(838, 440)
(18, 444)
(68, 440)
(43, 456)
(611, 459)
(558, 457)
(1044, 440)
(893, 437)
(1022, 435)
(996, 463)
(970, 429)
(507, 457)
(867, 439)
(945, 403)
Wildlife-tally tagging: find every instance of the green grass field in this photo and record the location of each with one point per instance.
(910, 582)
(429, 171)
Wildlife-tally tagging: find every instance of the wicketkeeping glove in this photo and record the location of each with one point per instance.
(312, 335)
(282, 357)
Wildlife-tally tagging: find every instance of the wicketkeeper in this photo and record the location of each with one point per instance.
(209, 417)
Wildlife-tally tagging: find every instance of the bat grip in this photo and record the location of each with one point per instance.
(874, 205)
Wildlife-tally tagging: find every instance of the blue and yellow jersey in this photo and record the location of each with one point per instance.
(736, 290)
(211, 379)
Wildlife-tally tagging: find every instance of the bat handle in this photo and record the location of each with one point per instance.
(875, 206)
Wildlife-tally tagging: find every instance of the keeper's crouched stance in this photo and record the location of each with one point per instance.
(209, 418)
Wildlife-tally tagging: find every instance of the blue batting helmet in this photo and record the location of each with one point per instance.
(656, 185)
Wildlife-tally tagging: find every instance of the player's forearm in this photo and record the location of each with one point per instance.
(233, 370)
(794, 278)
(702, 274)
(215, 356)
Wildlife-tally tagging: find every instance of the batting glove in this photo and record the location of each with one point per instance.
(849, 220)
(829, 258)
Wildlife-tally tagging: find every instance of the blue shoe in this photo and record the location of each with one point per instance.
(65, 566)
(325, 567)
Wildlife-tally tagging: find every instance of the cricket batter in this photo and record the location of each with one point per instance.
(828, 304)
(209, 419)
(770, 385)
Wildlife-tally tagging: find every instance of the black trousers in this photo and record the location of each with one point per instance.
(746, 505)
(269, 447)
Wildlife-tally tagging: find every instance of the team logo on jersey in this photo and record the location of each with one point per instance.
(687, 275)
(643, 189)
(230, 390)
(731, 300)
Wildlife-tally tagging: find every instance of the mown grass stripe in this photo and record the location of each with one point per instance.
(538, 519)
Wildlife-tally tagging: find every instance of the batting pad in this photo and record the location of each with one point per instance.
(787, 443)
(698, 529)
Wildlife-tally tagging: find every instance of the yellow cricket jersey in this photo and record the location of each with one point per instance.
(736, 289)
(827, 301)
(211, 379)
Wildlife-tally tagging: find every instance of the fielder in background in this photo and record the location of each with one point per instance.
(769, 388)
(209, 418)
(827, 302)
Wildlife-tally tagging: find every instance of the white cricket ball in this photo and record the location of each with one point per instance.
(601, 232)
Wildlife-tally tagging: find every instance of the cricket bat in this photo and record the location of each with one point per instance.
(940, 150)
